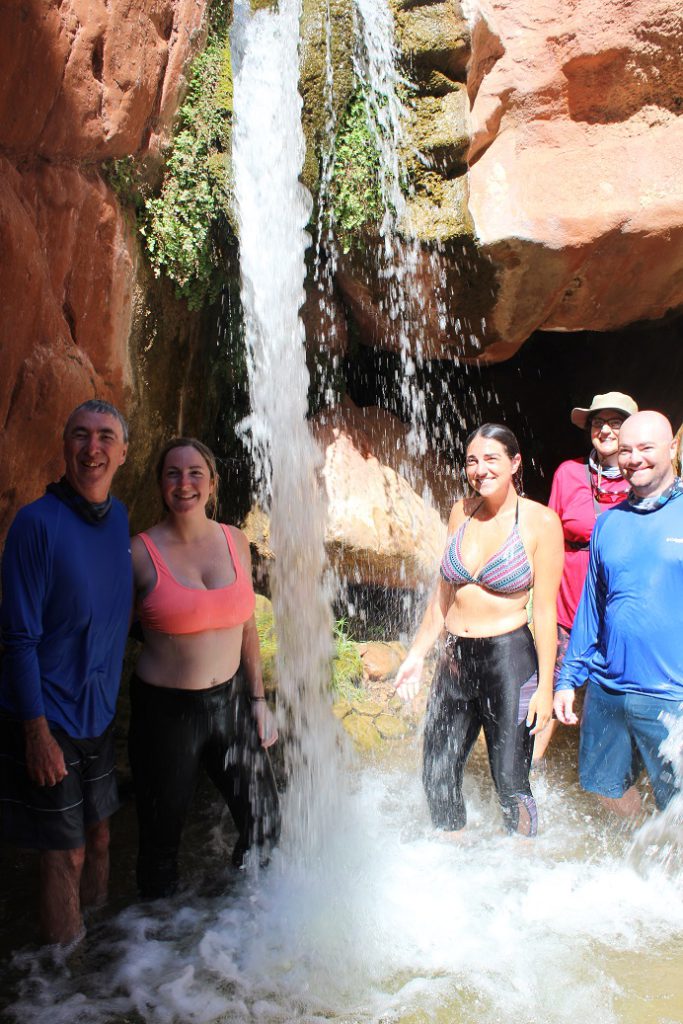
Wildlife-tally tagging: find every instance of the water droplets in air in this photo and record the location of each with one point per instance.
(273, 211)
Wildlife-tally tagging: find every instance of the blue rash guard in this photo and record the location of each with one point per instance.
(67, 592)
(627, 632)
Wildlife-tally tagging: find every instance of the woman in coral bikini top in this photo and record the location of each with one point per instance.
(197, 697)
(492, 673)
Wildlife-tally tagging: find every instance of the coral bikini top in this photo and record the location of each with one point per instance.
(171, 607)
(507, 572)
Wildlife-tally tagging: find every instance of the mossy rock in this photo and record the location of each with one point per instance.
(390, 728)
(369, 708)
(313, 77)
(342, 708)
(362, 731)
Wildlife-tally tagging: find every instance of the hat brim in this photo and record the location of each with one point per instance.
(580, 417)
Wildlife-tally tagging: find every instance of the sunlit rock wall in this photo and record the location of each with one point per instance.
(576, 161)
(82, 81)
(548, 193)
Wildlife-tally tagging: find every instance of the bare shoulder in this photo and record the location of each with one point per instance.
(539, 515)
(459, 512)
(142, 563)
(241, 542)
(542, 526)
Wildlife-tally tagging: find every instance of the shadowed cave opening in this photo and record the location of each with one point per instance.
(533, 394)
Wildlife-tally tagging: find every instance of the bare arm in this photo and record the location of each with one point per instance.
(409, 675)
(548, 563)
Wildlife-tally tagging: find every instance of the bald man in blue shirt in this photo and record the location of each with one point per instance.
(626, 641)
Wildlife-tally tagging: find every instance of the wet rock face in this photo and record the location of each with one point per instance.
(83, 81)
(548, 193)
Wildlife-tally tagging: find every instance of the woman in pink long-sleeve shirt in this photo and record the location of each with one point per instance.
(582, 490)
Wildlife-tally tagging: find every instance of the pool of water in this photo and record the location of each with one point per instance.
(390, 923)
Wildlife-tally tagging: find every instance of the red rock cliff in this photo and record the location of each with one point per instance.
(83, 81)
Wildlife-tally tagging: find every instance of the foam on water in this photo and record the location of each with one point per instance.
(363, 915)
(394, 921)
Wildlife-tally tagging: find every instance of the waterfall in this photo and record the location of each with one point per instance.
(376, 68)
(273, 210)
(365, 916)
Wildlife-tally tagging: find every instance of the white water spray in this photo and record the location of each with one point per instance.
(394, 925)
(273, 209)
(376, 68)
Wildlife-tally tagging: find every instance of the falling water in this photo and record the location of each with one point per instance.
(375, 65)
(393, 924)
(273, 210)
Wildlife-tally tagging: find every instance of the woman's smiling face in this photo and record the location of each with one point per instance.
(488, 466)
(186, 481)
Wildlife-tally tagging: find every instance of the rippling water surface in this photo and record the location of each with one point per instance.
(395, 924)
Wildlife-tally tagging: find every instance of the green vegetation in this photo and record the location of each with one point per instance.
(347, 667)
(357, 197)
(186, 223)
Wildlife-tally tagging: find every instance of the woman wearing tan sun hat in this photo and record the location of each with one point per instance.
(582, 490)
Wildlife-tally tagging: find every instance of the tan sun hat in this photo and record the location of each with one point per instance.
(612, 400)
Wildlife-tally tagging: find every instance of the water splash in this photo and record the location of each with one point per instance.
(398, 926)
(660, 840)
(273, 209)
(376, 67)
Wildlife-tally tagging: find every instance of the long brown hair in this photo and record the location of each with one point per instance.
(209, 459)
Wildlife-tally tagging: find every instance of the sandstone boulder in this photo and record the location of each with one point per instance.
(576, 177)
(83, 81)
(381, 660)
(66, 272)
(381, 530)
(92, 79)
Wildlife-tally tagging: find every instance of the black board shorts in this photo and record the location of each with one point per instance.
(55, 817)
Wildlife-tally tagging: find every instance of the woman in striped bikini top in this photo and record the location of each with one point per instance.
(486, 574)
(508, 571)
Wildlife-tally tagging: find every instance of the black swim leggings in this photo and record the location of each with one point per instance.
(481, 683)
(174, 733)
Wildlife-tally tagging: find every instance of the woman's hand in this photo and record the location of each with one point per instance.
(265, 722)
(409, 676)
(540, 708)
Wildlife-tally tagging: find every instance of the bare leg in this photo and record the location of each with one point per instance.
(626, 806)
(60, 909)
(95, 877)
(542, 740)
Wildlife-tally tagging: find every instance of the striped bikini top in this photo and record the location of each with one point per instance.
(507, 572)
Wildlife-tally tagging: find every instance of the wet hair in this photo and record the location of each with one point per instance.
(206, 454)
(99, 405)
(504, 436)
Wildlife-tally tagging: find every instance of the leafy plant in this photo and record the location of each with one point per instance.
(347, 665)
(186, 223)
(355, 174)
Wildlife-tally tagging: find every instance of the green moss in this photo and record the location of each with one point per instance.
(186, 222)
(357, 199)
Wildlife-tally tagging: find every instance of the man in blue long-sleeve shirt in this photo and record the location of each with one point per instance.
(626, 639)
(67, 591)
